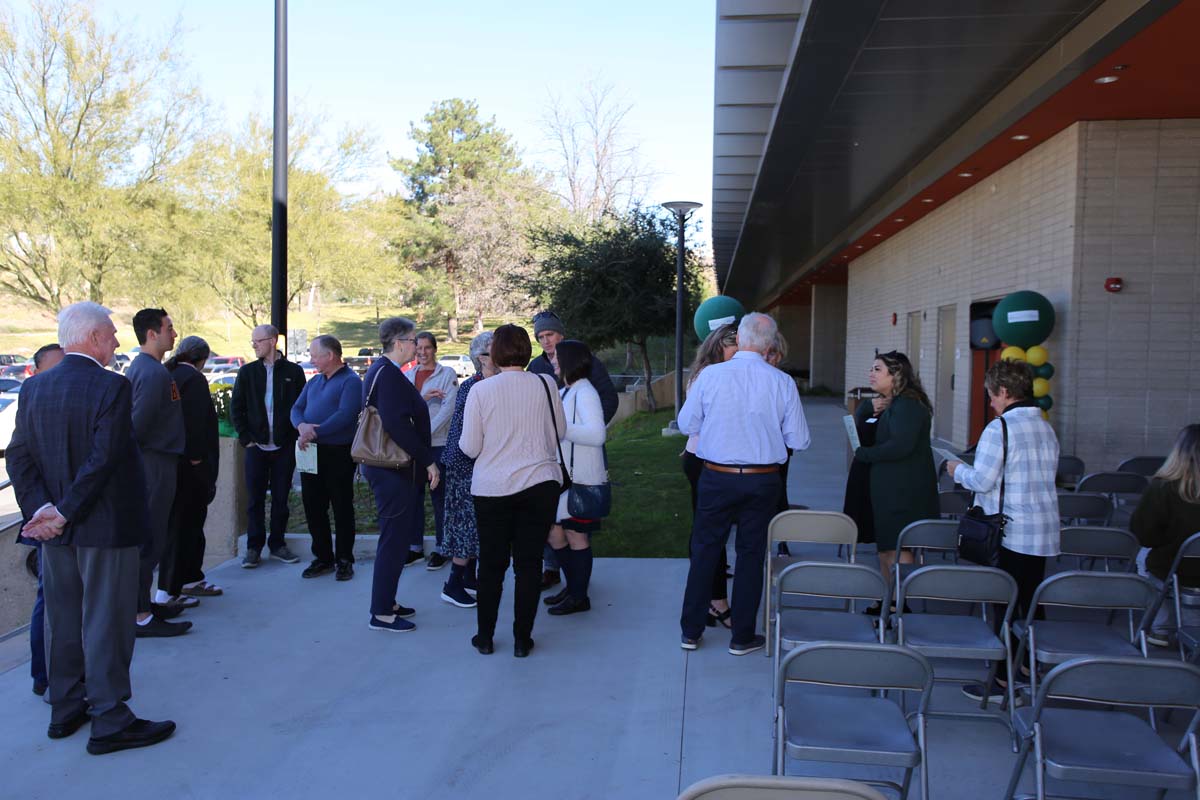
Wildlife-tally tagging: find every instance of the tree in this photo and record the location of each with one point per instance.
(599, 169)
(93, 124)
(466, 174)
(615, 280)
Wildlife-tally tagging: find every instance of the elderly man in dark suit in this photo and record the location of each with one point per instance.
(78, 478)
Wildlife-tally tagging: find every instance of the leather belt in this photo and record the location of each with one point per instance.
(736, 470)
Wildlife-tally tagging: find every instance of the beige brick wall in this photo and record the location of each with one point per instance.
(1139, 379)
(1013, 230)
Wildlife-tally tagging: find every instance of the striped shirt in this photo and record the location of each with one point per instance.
(1030, 496)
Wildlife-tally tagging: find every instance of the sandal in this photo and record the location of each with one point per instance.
(203, 589)
(721, 618)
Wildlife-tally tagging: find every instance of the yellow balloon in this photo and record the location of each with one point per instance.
(1012, 353)
(1037, 355)
(1041, 387)
(1046, 416)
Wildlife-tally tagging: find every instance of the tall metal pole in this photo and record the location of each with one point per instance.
(679, 318)
(279, 162)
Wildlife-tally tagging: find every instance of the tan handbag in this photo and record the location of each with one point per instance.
(372, 446)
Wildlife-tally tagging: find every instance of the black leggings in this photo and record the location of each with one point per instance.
(692, 467)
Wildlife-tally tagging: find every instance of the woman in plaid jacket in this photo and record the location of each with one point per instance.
(1028, 471)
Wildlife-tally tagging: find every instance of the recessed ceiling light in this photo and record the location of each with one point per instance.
(898, 219)
(927, 200)
(965, 174)
(1020, 137)
(1107, 79)
(877, 235)
(1119, 67)
(859, 246)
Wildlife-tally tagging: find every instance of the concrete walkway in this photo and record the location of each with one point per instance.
(281, 691)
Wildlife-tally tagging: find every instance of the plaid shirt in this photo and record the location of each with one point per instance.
(1030, 496)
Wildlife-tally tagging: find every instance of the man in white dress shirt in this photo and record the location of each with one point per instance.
(747, 414)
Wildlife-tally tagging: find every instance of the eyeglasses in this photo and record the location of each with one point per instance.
(260, 341)
(414, 341)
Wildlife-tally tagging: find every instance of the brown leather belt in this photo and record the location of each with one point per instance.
(742, 470)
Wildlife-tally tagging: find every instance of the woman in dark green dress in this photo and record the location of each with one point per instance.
(903, 479)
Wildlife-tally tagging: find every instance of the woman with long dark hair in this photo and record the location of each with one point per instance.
(1168, 513)
(903, 481)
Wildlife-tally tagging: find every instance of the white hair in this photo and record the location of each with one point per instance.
(756, 332)
(77, 321)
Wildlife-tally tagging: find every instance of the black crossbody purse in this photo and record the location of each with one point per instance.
(980, 534)
(562, 462)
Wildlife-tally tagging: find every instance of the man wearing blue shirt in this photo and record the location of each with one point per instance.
(747, 415)
(325, 415)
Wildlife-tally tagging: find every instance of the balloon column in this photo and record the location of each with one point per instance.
(1024, 320)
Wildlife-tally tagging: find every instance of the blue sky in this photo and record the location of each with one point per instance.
(381, 65)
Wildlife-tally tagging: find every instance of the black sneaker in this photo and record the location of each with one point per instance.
(317, 568)
(744, 648)
(571, 606)
(403, 612)
(345, 571)
(689, 644)
(413, 557)
(975, 692)
(252, 558)
(436, 561)
(457, 596)
(159, 628)
(285, 555)
(557, 598)
(1158, 638)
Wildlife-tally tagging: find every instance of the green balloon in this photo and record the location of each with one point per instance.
(1023, 319)
(1045, 402)
(715, 309)
(1044, 371)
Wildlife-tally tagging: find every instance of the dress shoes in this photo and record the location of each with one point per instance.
(522, 647)
(556, 598)
(165, 610)
(39, 688)
(139, 733)
(550, 578)
(61, 730)
(570, 606)
(159, 628)
(484, 646)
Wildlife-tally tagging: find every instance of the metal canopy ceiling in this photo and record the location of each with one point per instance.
(822, 106)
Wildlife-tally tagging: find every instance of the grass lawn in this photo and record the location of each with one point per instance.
(652, 514)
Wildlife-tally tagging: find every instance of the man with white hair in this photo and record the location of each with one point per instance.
(747, 415)
(78, 478)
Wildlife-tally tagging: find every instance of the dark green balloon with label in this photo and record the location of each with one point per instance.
(1023, 319)
(720, 307)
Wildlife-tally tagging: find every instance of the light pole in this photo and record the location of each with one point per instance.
(279, 160)
(681, 209)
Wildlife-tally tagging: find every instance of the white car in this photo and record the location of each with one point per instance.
(8, 417)
(462, 365)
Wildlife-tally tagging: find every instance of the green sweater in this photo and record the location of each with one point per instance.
(1162, 521)
(903, 479)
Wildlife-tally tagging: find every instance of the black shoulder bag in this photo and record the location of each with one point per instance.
(562, 462)
(980, 534)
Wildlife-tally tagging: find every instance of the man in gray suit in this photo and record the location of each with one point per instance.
(78, 478)
(158, 430)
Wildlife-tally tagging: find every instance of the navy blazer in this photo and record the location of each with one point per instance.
(73, 446)
(402, 410)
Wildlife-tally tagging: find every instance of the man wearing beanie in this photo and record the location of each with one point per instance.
(549, 331)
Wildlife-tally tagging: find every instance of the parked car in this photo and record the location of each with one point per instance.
(222, 379)
(360, 364)
(7, 360)
(120, 362)
(462, 365)
(224, 363)
(9, 385)
(17, 372)
(8, 417)
(310, 370)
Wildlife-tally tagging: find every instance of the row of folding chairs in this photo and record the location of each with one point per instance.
(1187, 636)
(777, 787)
(1071, 469)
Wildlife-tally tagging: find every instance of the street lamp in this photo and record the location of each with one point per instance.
(681, 209)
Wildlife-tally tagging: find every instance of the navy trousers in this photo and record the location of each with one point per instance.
(724, 499)
(438, 497)
(396, 503)
(265, 468)
(37, 631)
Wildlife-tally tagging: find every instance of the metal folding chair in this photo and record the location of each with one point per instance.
(827, 580)
(1098, 745)
(810, 527)
(924, 536)
(777, 787)
(1054, 642)
(1084, 509)
(1096, 543)
(1188, 638)
(847, 727)
(1070, 470)
(960, 637)
(1114, 484)
(953, 505)
(1142, 465)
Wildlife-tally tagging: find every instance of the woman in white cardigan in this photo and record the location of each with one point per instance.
(583, 452)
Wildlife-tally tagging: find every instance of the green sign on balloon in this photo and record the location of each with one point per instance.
(1023, 319)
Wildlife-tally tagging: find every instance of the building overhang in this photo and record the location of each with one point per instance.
(886, 105)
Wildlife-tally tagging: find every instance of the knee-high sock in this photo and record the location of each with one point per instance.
(581, 573)
(456, 576)
(563, 556)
